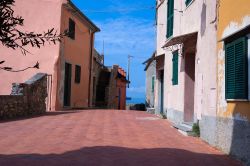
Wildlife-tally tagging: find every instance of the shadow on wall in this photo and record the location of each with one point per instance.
(118, 156)
(240, 138)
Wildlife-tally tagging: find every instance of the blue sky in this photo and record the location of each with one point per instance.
(127, 28)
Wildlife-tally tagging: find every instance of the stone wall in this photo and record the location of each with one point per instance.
(26, 99)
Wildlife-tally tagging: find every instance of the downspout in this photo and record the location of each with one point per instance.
(90, 64)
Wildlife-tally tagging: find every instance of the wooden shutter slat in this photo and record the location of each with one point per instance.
(236, 69)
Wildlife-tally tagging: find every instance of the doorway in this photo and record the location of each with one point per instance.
(67, 84)
(189, 88)
(161, 91)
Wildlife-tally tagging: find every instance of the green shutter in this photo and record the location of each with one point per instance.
(187, 2)
(237, 69)
(153, 84)
(170, 18)
(175, 68)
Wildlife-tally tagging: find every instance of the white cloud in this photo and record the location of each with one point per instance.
(125, 36)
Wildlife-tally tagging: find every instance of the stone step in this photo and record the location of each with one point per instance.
(184, 128)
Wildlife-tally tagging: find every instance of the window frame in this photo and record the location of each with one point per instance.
(153, 84)
(175, 68)
(78, 72)
(188, 2)
(246, 74)
(170, 19)
(72, 29)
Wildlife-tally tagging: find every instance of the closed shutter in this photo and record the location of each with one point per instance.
(175, 68)
(237, 69)
(170, 18)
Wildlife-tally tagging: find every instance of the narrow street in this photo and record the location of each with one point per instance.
(102, 138)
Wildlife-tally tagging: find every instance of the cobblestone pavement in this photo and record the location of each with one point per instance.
(102, 138)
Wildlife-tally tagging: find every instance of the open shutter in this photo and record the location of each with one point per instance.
(170, 18)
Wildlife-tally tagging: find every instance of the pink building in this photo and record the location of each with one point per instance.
(69, 62)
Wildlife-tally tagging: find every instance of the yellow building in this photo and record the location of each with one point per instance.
(233, 81)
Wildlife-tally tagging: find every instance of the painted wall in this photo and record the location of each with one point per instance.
(36, 20)
(233, 117)
(161, 26)
(75, 52)
(150, 94)
(230, 21)
(197, 17)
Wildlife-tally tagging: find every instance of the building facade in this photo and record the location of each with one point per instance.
(204, 78)
(233, 108)
(111, 88)
(69, 62)
(97, 67)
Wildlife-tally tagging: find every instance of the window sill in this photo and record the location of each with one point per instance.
(240, 100)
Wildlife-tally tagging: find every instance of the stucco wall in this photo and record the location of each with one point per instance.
(231, 22)
(233, 116)
(195, 18)
(75, 52)
(161, 26)
(39, 16)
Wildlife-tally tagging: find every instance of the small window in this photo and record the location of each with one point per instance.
(175, 68)
(71, 29)
(236, 69)
(153, 84)
(78, 74)
(187, 2)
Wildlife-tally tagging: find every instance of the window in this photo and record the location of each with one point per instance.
(170, 18)
(236, 69)
(175, 68)
(78, 74)
(187, 2)
(71, 29)
(153, 84)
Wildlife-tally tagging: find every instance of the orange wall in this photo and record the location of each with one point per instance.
(230, 13)
(76, 52)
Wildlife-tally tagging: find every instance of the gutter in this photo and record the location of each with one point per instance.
(90, 64)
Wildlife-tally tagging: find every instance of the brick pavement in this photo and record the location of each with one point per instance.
(102, 138)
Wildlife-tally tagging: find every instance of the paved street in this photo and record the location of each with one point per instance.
(102, 138)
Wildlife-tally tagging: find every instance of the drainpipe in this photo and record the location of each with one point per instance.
(90, 64)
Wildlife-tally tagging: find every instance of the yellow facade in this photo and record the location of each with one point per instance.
(232, 16)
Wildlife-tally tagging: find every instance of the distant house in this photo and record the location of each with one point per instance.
(150, 82)
(111, 88)
(97, 67)
(68, 64)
